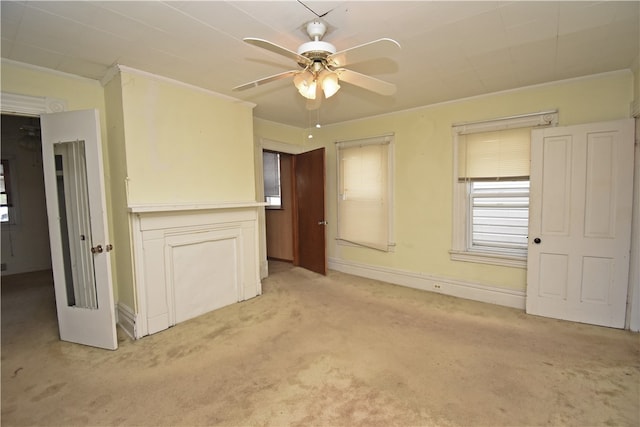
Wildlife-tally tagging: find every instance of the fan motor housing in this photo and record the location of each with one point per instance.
(316, 49)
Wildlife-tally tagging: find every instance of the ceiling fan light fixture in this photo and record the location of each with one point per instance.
(330, 84)
(322, 65)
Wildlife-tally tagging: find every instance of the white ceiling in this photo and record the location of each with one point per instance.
(450, 49)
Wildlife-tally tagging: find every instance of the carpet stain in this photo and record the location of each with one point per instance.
(218, 332)
(52, 390)
(183, 351)
(101, 401)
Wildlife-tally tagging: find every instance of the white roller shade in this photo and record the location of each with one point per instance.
(363, 199)
(494, 155)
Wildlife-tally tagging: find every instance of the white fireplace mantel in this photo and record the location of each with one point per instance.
(149, 208)
(191, 259)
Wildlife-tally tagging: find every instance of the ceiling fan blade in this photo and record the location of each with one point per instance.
(366, 82)
(363, 52)
(272, 47)
(266, 80)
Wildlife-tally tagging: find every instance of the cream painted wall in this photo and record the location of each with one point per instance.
(118, 178)
(264, 129)
(185, 145)
(423, 169)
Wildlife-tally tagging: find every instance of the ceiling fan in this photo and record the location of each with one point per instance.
(322, 66)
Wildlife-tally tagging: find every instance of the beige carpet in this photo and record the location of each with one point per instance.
(321, 351)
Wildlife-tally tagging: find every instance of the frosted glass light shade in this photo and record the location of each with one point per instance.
(306, 84)
(330, 84)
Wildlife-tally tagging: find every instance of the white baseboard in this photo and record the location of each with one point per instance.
(441, 285)
(126, 320)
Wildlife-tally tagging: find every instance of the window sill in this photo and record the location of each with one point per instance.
(489, 258)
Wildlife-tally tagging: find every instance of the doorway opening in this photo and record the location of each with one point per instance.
(296, 225)
(279, 217)
(27, 277)
(25, 230)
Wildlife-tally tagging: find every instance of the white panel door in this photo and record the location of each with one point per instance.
(580, 222)
(76, 208)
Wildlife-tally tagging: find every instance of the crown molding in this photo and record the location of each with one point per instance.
(487, 95)
(119, 68)
(11, 62)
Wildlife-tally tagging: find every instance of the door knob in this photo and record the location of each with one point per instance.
(537, 240)
(322, 223)
(97, 249)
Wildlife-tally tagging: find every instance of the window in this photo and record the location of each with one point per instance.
(271, 168)
(365, 196)
(491, 189)
(6, 215)
(499, 213)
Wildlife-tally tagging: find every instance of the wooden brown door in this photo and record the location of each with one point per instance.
(311, 224)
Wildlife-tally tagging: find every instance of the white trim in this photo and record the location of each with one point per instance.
(542, 118)
(13, 103)
(482, 96)
(487, 258)
(109, 75)
(137, 251)
(154, 234)
(460, 221)
(284, 147)
(123, 68)
(441, 285)
(635, 109)
(126, 319)
(633, 298)
(50, 71)
(173, 207)
(385, 138)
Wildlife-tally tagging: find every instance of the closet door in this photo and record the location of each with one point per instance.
(580, 222)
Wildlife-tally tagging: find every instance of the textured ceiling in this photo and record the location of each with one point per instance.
(450, 49)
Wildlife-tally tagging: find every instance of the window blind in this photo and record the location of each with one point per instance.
(363, 193)
(494, 155)
(5, 187)
(271, 167)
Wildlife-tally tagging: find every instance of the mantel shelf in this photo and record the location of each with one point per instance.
(156, 208)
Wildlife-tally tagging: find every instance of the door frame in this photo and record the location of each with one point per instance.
(633, 305)
(34, 106)
(280, 147)
(31, 106)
